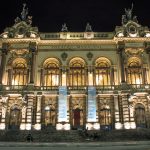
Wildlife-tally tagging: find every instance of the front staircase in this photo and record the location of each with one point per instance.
(52, 135)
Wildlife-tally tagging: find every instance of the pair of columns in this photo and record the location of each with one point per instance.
(4, 51)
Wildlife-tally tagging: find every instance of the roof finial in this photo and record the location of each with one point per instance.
(129, 16)
(88, 28)
(64, 28)
(129, 12)
(24, 12)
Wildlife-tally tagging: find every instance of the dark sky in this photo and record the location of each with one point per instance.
(49, 15)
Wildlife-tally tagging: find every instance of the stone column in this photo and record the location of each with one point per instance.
(24, 111)
(147, 48)
(10, 77)
(90, 76)
(29, 111)
(64, 76)
(38, 113)
(118, 124)
(3, 112)
(112, 82)
(33, 50)
(3, 60)
(126, 112)
(120, 49)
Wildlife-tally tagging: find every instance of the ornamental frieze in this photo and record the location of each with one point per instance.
(77, 47)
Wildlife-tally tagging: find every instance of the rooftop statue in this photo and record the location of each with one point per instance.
(128, 16)
(24, 16)
(24, 13)
(88, 28)
(64, 28)
(129, 12)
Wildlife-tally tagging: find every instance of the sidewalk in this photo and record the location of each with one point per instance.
(85, 144)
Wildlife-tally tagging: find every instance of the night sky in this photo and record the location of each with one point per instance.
(49, 15)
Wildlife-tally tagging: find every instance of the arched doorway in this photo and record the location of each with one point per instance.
(140, 117)
(76, 118)
(15, 118)
(77, 111)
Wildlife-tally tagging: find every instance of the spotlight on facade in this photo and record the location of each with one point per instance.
(133, 125)
(96, 126)
(146, 86)
(37, 127)
(7, 88)
(2, 126)
(67, 126)
(127, 125)
(28, 126)
(59, 126)
(118, 126)
(22, 127)
(89, 126)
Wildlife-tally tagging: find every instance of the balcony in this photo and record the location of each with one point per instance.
(14, 87)
(99, 89)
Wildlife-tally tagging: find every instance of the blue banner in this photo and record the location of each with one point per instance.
(62, 104)
(91, 117)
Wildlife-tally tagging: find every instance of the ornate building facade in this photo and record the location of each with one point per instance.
(69, 80)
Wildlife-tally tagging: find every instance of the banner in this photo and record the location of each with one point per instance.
(62, 104)
(91, 117)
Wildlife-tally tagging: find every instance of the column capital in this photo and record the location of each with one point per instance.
(5, 47)
(33, 47)
(147, 47)
(120, 46)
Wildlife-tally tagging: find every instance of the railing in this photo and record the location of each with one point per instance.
(14, 87)
(133, 87)
(46, 88)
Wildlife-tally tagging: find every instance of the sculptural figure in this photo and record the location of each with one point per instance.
(24, 12)
(88, 28)
(129, 12)
(64, 28)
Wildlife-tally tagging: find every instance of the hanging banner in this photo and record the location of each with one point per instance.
(62, 104)
(91, 117)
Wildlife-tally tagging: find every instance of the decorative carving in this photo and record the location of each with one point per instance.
(5, 47)
(128, 16)
(32, 47)
(89, 56)
(24, 12)
(64, 56)
(22, 27)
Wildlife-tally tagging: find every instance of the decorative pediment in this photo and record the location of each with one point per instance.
(22, 27)
(130, 26)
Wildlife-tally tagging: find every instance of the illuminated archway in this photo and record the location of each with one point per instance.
(14, 117)
(51, 72)
(134, 71)
(102, 71)
(77, 72)
(139, 114)
(19, 72)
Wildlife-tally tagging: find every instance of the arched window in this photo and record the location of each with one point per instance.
(77, 72)
(102, 71)
(134, 71)
(140, 117)
(51, 72)
(19, 72)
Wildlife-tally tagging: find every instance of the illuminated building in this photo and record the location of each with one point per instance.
(70, 80)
